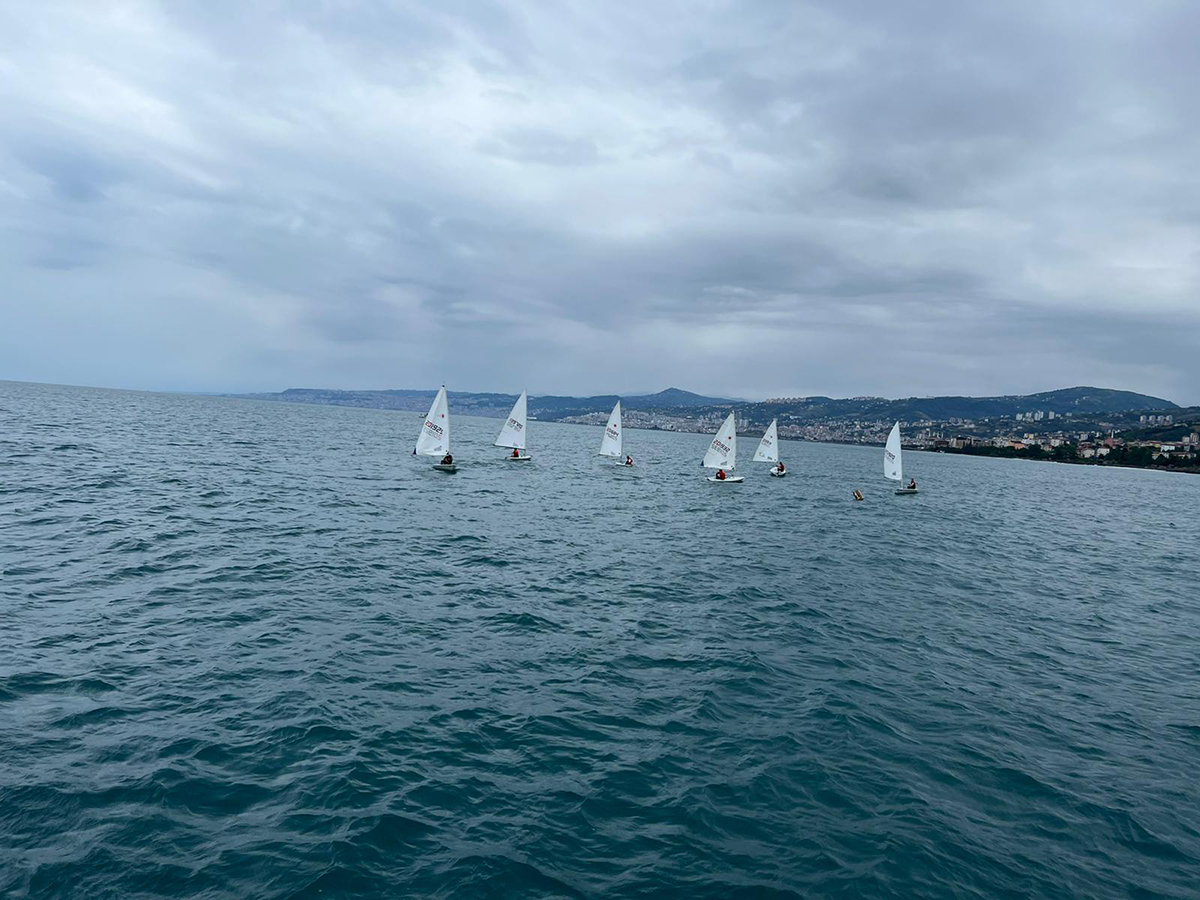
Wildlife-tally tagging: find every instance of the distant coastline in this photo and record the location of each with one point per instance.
(1148, 461)
(1081, 425)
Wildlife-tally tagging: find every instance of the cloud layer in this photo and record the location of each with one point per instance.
(757, 199)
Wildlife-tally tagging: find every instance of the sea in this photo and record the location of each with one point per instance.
(259, 650)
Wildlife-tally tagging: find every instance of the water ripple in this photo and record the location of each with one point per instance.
(257, 650)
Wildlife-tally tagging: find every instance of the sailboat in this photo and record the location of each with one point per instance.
(434, 439)
(722, 453)
(512, 435)
(768, 449)
(893, 461)
(611, 442)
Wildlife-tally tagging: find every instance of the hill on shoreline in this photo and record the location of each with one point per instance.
(1061, 402)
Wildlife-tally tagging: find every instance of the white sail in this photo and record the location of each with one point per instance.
(513, 432)
(893, 466)
(435, 433)
(722, 453)
(610, 444)
(768, 447)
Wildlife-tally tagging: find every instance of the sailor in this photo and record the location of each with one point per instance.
(629, 460)
(720, 474)
(516, 453)
(912, 484)
(447, 460)
(779, 467)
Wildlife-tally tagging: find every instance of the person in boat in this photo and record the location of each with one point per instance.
(779, 467)
(720, 474)
(629, 460)
(447, 460)
(912, 484)
(516, 453)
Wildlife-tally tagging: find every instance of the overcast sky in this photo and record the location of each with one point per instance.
(756, 199)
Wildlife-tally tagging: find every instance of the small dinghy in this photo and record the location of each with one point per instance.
(893, 461)
(722, 454)
(434, 439)
(512, 435)
(768, 449)
(612, 442)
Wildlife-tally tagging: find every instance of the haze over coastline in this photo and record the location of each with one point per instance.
(752, 200)
(1082, 400)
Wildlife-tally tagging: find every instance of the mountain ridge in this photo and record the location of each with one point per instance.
(1078, 399)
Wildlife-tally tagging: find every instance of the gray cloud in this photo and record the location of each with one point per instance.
(530, 145)
(762, 198)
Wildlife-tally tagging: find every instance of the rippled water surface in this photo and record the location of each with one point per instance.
(258, 650)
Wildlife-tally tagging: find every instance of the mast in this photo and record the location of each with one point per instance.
(611, 444)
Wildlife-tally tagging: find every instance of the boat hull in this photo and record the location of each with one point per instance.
(449, 469)
(902, 492)
(731, 479)
(518, 458)
(777, 473)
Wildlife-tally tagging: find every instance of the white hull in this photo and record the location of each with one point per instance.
(518, 458)
(728, 479)
(777, 473)
(448, 469)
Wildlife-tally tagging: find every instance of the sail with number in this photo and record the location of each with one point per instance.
(610, 444)
(893, 466)
(513, 433)
(768, 447)
(722, 453)
(435, 433)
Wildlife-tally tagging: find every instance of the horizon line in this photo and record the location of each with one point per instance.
(434, 390)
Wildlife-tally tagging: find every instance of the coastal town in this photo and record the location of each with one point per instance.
(1168, 440)
(1087, 425)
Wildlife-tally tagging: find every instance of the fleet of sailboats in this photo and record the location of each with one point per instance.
(722, 453)
(512, 435)
(768, 449)
(434, 440)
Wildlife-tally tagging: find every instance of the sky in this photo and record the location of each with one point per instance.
(756, 199)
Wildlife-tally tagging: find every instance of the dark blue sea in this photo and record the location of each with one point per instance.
(256, 650)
